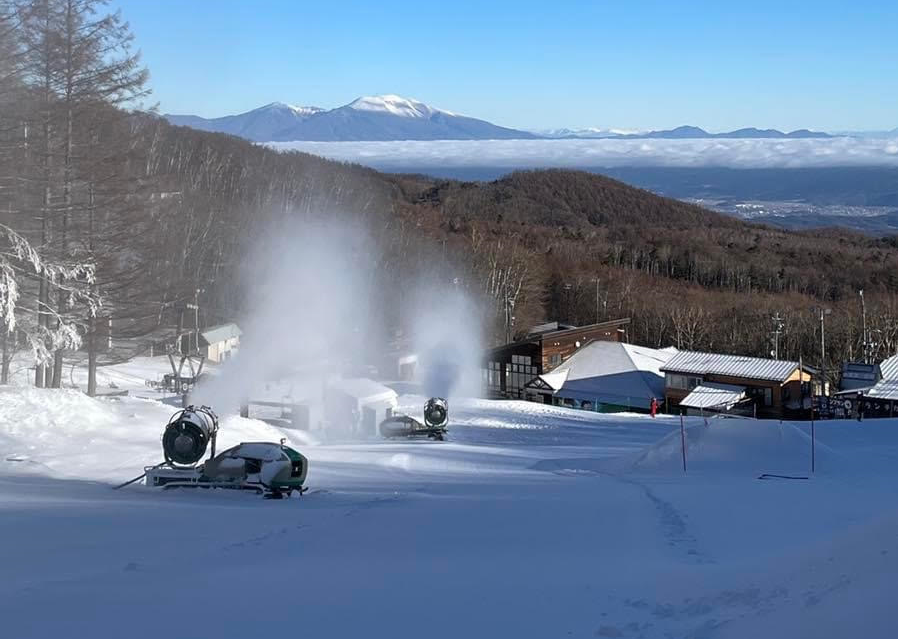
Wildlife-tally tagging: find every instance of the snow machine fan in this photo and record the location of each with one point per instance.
(188, 434)
(436, 413)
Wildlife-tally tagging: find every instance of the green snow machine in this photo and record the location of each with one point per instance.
(272, 470)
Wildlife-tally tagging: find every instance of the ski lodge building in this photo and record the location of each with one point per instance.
(507, 369)
(220, 343)
(709, 382)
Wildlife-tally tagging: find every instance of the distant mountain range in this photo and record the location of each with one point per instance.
(680, 133)
(391, 117)
(383, 117)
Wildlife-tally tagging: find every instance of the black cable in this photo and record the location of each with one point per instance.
(131, 481)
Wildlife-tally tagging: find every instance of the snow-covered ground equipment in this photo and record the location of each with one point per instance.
(274, 470)
(436, 422)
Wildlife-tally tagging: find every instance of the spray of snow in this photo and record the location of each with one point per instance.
(307, 314)
(447, 338)
(314, 315)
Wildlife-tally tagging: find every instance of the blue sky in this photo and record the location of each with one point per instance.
(721, 65)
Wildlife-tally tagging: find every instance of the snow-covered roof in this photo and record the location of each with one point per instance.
(711, 395)
(777, 370)
(887, 387)
(888, 368)
(610, 372)
(221, 333)
(363, 389)
(556, 379)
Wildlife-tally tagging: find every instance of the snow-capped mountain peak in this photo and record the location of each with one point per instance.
(305, 111)
(395, 105)
(302, 111)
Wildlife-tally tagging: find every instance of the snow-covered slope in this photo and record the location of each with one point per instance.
(383, 117)
(531, 521)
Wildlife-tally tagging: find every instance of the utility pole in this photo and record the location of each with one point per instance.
(597, 299)
(505, 299)
(777, 331)
(567, 302)
(509, 318)
(196, 319)
(864, 320)
(823, 312)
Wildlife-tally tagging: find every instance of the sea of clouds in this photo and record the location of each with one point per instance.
(730, 153)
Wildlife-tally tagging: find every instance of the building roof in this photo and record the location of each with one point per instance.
(887, 387)
(608, 372)
(548, 327)
(713, 395)
(547, 333)
(565, 329)
(693, 362)
(888, 368)
(221, 333)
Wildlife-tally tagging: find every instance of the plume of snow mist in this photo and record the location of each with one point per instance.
(447, 338)
(308, 302)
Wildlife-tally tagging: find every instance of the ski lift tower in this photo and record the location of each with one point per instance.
(181, 381)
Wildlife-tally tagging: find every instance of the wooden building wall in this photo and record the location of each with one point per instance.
(777, 408)
(559, 346)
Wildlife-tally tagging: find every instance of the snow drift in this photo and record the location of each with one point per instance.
(737, 446)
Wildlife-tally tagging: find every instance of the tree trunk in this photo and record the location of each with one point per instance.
(66, 178)
(56, 381)
(6, 357)
(92, 358)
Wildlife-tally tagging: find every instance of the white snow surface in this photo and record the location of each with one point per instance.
(304, 111)
(530, 521)
(395, 105)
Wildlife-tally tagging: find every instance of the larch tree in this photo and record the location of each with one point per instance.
(80, 63)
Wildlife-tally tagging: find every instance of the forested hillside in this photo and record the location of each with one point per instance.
(111, 214)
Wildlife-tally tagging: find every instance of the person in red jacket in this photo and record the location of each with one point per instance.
(654, 406)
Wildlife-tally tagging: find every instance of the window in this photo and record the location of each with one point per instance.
(682, 382)
(493, 374)
(517, 374)
(761, 395)
(555, 359)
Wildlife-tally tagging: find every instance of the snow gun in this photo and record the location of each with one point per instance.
(272, 470)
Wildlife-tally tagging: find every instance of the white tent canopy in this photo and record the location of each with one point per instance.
(608, 373)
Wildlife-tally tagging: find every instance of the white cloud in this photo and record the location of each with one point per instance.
(736, 153)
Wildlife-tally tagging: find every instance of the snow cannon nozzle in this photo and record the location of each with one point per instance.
(436, 412)
(188, 433)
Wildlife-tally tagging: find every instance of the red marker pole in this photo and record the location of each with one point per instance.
(683, 439)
